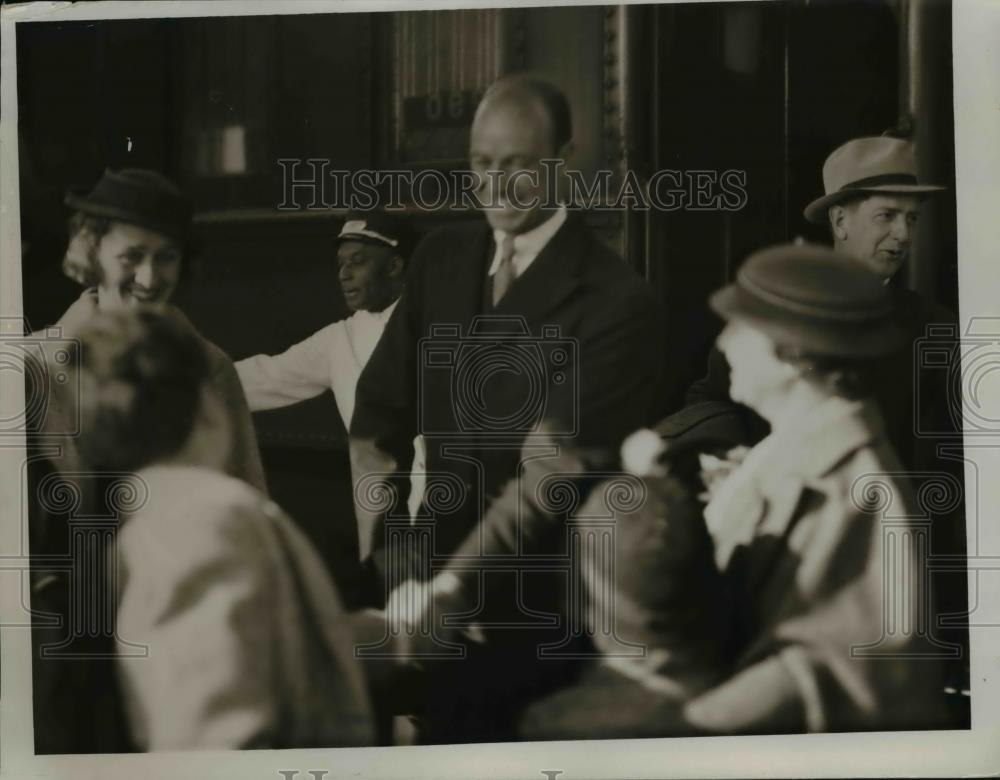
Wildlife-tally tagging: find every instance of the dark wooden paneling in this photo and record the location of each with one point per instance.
(261, 287)
(843, 82)
(719, 106)
(771, 89)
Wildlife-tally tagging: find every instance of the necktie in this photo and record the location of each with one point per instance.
(505, 274)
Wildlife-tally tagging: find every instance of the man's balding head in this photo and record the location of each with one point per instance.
(529, 94)
(520, 122)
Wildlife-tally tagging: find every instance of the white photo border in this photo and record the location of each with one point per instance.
(976, 47)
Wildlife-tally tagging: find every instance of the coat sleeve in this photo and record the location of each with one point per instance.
(530, 504)
(828, 660)
(202, 610)
(244, 460)
(297, 374)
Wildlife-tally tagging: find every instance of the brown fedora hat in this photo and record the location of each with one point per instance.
(866, 165)
(812, 298)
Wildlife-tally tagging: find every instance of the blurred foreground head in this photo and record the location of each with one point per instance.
(144, 394)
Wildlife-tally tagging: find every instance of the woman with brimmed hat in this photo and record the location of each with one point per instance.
(794, 529)
(130, 244)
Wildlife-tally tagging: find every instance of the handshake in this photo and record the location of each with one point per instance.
(412, 618)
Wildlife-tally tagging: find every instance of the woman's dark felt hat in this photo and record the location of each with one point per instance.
(140, 197)
(813, 299)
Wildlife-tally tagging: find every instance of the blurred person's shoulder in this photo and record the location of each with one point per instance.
(220, 365)
(198, 509)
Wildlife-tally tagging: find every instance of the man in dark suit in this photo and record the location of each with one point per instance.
(504, 325)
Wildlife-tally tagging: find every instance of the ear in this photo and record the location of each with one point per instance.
(396, 265)
(838, 216)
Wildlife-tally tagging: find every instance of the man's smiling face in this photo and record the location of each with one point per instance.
(366, 272)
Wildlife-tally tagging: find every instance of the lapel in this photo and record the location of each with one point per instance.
(840, 429)
(459, 289)
(553, 276)
(766, 504)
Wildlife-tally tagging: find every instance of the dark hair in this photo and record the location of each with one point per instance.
(91, 229)
(847, 377)
(551, 98)
(141, 375)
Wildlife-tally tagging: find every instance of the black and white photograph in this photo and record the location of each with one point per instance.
(507, 390)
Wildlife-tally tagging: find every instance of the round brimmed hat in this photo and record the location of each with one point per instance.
(140, 197)
(813, 299)
(379, 227)
(868, 165)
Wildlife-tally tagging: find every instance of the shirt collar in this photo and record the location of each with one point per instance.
(381, 316)
(528, 245)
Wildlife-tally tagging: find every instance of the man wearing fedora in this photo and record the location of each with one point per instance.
(871, 202)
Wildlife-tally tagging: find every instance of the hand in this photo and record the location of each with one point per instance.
(408, 605)
(715, 470)
(111, 298)
(79, 313)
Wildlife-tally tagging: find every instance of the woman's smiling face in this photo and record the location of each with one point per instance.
(141, 265)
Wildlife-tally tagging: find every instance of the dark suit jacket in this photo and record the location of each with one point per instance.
(588, 363)
(593, 327)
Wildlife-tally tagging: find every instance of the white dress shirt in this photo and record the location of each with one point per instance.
(527, 246)
(330, 359)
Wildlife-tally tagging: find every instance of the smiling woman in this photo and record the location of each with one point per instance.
(138, 263)
(130, 245)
